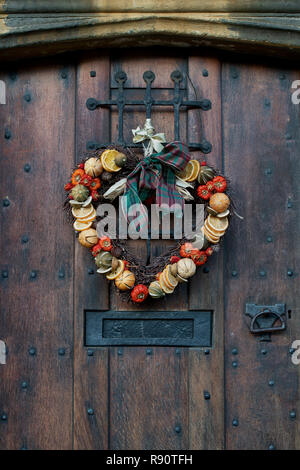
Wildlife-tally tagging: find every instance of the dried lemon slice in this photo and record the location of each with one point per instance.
(108, 160)
(79, 226)
(171, 280)
(196, 170)
(163, 285)
(88, 218)
(217, 224)
(82, 212)
(114, 274)
(187, 172)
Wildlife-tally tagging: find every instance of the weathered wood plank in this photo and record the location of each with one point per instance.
(206, 289)
(90, 289)
(261, 135)
(37, 254)
(149, 408)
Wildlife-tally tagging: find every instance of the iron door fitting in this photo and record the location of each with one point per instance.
(266, 319)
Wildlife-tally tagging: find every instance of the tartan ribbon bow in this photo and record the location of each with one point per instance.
(156, 172)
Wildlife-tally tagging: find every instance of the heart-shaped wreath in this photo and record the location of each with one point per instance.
(165, 176)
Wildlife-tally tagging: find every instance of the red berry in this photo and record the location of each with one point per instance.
(174, 259)
(209, 251)
(203, 163)
(81, 165)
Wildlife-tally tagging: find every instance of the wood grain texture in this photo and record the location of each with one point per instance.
(149, 408)
(206, 288)
(36, 296)
(261, 133)
(90, 289)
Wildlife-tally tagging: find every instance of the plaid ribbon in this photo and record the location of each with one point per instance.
(156, 172)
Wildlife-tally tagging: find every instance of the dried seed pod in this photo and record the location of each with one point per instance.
(116, 251)
(80, 193)
(114, 263)
(173, 269)
(106, 176)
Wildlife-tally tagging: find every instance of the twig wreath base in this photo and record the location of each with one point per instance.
(92, 183)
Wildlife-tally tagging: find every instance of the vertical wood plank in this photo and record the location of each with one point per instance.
(90, 288)
(149, 390)
(261, 137)
(206, 370)
(149, 408)
(37, 148)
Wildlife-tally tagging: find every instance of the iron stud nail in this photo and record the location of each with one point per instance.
(64, 74)
(282, 76)
(24, 385)
(7, 134)
(206, 270)
(120, 352)
(6, 202)
(268, 171)
(234, 273)
(234, 351)
(267, 103)
(234, 74)
(264, 351)
(271, 447)
(271, 383)
(27, 167)
(205, 73)
(177, 352)
(148, 352)
(293, 414)
(90, 352)
(235, 422)
(92, 73)
(90, 271)
(178, 429)
(288, 136)
(4, 417)
(206, 395)
(61, 274)
(5, 274)
(234, 364)
(33, 274)
(13, 76)
(269, 239)
(32, 351)
(290, 273)
(23, 448)
(24, 239)
(27, 97)
(262, 273)
(90, 411)
(61, 351)
(206, 352)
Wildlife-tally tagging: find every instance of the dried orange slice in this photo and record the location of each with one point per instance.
(211, 232)
(82, 212)
(217, 224)
(89, 218)
(187, 172)
(114, 274)
(108, 160)
(209, 237)
(196, 170)
(79, 226)
(171, 280)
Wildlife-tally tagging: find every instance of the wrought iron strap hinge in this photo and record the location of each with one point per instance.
(266, 318)
(177, 102)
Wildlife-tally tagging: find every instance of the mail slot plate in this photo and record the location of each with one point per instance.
(108, 328)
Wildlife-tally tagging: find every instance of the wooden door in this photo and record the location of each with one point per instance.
(58, 393)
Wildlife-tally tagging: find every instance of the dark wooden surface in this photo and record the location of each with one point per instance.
(139, 397)
(36, 312)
